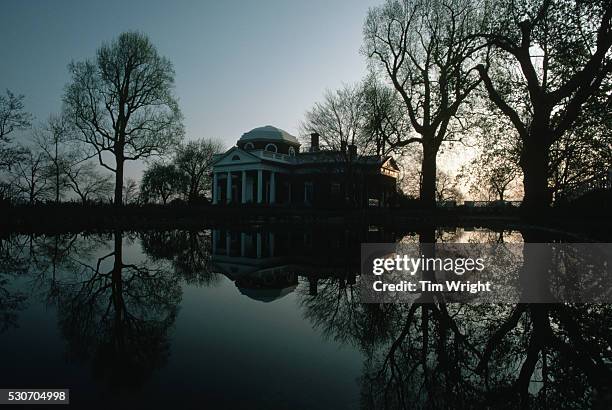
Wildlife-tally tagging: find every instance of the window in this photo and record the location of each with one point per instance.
(249, 145)
(291, 151)
(236, 158)
(271, 148)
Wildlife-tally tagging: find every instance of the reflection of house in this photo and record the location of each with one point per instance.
(266, 265)
(249, 259)
(267, 167)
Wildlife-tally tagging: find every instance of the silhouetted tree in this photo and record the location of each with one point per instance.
(88, 183)
(423, 47)
(123, 104)
(130, 191)
(412, 179)
(338, 119)
(12, 118)
(446, 188)
(30, 176)
(53, 138)
(585, 151)
(161, 182)
(553, 56)
(194, 159)
(385, 122)
(492, 177)
(494, 173)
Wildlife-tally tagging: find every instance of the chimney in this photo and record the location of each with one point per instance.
(314, 142)
(352, 151)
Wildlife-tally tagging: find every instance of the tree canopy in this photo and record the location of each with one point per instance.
(122, 103)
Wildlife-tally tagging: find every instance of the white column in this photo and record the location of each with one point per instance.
(215, 188)
(242, 244)
(271, 243)
(272, 187)
(258, 236)
(228, 243)
(229, 187)
(259, 185)
(244, 183)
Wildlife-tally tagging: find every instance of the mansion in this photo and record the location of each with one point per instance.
(268, 167)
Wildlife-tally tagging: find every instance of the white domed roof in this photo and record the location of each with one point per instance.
(269, 133)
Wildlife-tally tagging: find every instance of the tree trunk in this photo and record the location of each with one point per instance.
(117, 291)
(57, 183)
(119, 182)
(193, 188)
(57, 172)
(428, 175)
(534, 163)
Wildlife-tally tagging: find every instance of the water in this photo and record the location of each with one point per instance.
(267, 318)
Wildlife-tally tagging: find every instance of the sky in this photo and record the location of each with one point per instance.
(239, 64)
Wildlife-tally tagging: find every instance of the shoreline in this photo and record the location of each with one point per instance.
(76, 217)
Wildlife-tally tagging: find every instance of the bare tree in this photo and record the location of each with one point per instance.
(29, 175)
(194, 159)
(130, 191)
(88, 183)
(492, 175)
(446, 188)
(12, 115)
(385, 122)
(12, 118)
(123, 104)
(558, 51)
(424, 49)
(494, 172)
(338, 119)
(54, 140)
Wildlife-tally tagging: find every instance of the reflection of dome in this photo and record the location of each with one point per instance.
(269, 133)
(266, 295)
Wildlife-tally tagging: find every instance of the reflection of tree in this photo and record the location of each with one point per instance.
(118, 315)
(492, 356)
(448, 355)
(12, 264)
(189, 252)
(337, 312)
(51, 255)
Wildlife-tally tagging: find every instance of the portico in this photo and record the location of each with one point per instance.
(246, 185)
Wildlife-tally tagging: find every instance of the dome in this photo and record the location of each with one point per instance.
(269, 133)
(267, 295)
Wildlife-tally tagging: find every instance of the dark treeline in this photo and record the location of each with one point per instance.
(525, 84)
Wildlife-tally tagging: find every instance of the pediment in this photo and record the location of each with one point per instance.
(236, 156)
(390, 164)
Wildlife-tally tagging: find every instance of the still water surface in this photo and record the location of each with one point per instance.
(272, 319)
